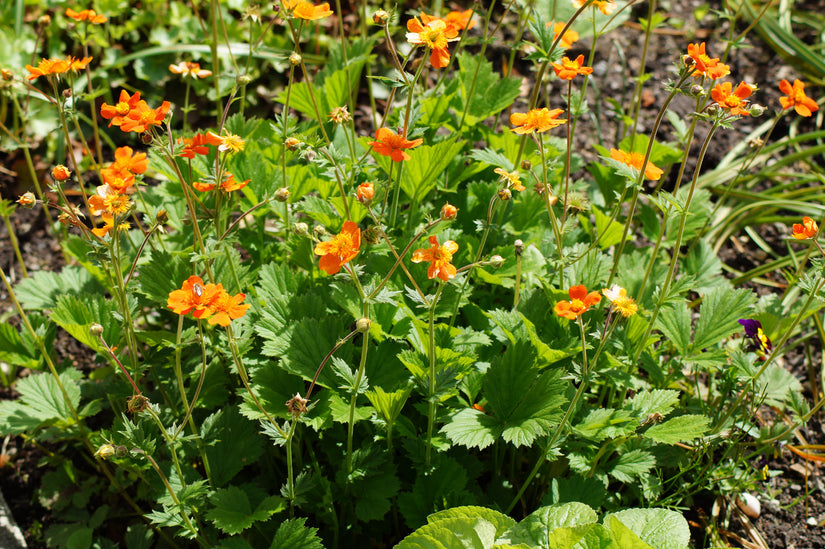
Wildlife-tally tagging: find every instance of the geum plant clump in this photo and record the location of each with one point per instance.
(302, 332)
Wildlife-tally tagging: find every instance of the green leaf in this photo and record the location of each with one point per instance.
(679, 428)
(612, 232)
(294, 534)
(17, 350)
(653, 401)
(776, 384)
(437, 488)
(389, 405)
(719, 314)
(674, 322)
(76, 315)
(235, 443)
(41, 402)
(624, 536)
(501, 521)
(598, 537)
(162, 274)
(526, 403)
(472, 429)
(604, 423)
(43, 288)
(631, 465)
(703, 264)
(421, 173)
(491, 93)
(233, 513)
(658, 528)
(553, 527)
(452, 533)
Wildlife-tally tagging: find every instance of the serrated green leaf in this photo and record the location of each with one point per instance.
(76, 315)
(677, 429)
(703, 264)
(43, 288)
(389, 405)
(233, 512)
(294, 534)
(164, 273)
(41, 402)
(434, 489)
(653, 401)
(452, 533)
(776, 384)
(553, 527)
(631, 465)
(490, 94)
(612, 233)
(674, 322)
(501, 521)
(235, 443)
(604, 423)
(657, 528)
(719, 315)
(472, 429)
(16, 350)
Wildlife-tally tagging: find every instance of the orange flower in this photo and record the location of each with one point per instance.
(226, 142)
(118, 112)
(605, 6)
(635, 160)
(735, 102)
(61, 173)
(796, 98)
(435, 34)
(448, 211)
(579, 302)
(460, 20)
(189, 69)
(304, 10)
(365, 192)
(568, 70)
(196, 145)
(388, 143)
(705, 65)
(27, 200)
(341, 249)
(512, 178)
(86, 15)
(53, 67)
(109, 200)
(225, 308)
(440, 258)
(127, 162)
(229, 184)
(193, 295)
(121, 181)
(108, 225)
(807, 229)
(143, 117)
(567, 39)
(539, 120)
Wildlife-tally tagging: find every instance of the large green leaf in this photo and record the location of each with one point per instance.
(233, 511)
(718, 317)
(43, 288)
(679, 428)
(452, 533)
(41, 403)
(421, 173)
(658, 528)
(501, 521)
(235, 443)
(294, 534)
(490, 94)
(76, 315)
(553, 527)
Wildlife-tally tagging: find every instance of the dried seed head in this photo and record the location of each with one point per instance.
(137, 404)
(371, 235)
(297, 405)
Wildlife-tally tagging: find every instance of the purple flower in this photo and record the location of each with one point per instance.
(753, 330)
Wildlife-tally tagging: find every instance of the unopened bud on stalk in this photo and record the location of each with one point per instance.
(505, 194)
(7, 75)
(755, 143)
(161, 217)
(363, 325)
(757, 110)
(61, 173)
(44, 20)
(496, 261)
(28, 200)
(301, 229)
(365, 193)
(688, 61)
(448, 211)
(67, 93)
(526, 165)
(292, 144)
(243, 79)
(106, 451)
(380, 17)
(282, 194)
(319, 231)
(96, 329)
(371, 235)
(146, 138)
(294, 59)
(519, 247)
(696, 90)
(713, 109)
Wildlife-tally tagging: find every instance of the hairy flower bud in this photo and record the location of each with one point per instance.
(67, 93)
(27, 200)
(146, 138)
(292, 144)
(105, 451)
(757, 110)
(363, 325)
(688, 61)
(696, 90)
(161, 217)
(526, 165)
(380, 17)
(301, 229)
(282, 194)
(294, 59)
(519, 247)
(505, 194)
(365, 193)
(448, 211)
(319, 231)
(44, 20)
(496, 261)
(243, 79)
(61, 173)
(96, 329)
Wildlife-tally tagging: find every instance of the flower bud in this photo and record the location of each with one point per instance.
(553, 199)
(67, 93)
(146, 138)
(340, 115)
(44, 20)
(755, 143)
(61, 173)
(688, 61)
(712, 109)
(292, 144)
(365, 193)
(380, 17)
(363, 325)
(301, 229)
(7, 75)
(243, 79)
(757, 110)
(319, 231)
(505, 194)
(137, 404)
(526, 165)
(27, 200)
(519, 247)
(448, 211)
(106, 451)
(161, 217)
(96, 329)
(696, 90)
(496, 261)
(282, 194)
(371, 235)
(294, 59)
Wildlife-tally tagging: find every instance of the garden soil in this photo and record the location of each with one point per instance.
(792, 498)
